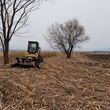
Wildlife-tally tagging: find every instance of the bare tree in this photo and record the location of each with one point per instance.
(13, 17)
(66, 36)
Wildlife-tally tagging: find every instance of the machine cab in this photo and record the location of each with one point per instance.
(33, 47)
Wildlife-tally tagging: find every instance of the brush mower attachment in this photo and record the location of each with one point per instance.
(32, 57)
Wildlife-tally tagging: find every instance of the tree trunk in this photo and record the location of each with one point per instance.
(69, 52)
(6, 53)
(68, 55)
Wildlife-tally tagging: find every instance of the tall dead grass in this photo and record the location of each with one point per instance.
(15, 54)
(44, 54)
(47, 54)
(1, 54)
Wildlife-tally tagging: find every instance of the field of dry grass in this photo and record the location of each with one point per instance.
(44, 54)
(79, 83)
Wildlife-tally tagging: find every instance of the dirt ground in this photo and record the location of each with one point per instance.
(79, 83)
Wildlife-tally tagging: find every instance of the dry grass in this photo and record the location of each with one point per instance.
(15, 54)
(81, 83)
(1, 54)
(44, 54)
(47, 54)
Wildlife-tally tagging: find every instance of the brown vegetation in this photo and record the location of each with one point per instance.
(79, 83)
(44, 54)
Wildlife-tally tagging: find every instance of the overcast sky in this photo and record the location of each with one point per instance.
(94, 15)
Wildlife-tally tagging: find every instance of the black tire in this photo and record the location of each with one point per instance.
(39, 65)
(39, 62)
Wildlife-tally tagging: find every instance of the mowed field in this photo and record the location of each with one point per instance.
(79, 83)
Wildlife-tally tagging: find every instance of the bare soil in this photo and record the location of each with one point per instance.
(79, 83)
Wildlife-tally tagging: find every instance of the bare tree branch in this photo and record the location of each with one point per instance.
(66, 36)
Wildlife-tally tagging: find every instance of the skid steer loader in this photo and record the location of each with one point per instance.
(32, 56)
